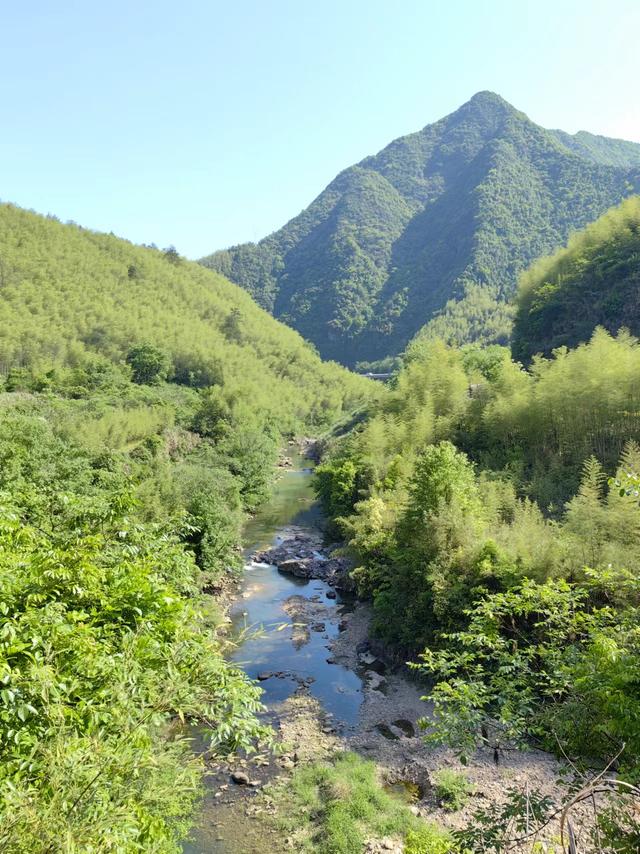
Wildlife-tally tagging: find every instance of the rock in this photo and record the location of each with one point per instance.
(363, 646)
(374, 680)
(295, 566)
(318, 627)
(331, 660)
(343, 625)
(389, 732)
(405, 726)
(264, 675)
(366, 658)
(255, 783)
(240, 778)
(331, 594)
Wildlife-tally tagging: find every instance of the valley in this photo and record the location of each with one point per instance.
(308, 643)
(418, 631)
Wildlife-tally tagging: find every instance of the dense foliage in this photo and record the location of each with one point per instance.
(143, 401)
(435, 227)
(106, 642)
(489, 512)
(337, 807)
(66, 293)
(595, 281)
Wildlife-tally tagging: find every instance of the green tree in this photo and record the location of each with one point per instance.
(148, 364)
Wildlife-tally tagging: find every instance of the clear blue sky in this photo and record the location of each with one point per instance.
(203, 124)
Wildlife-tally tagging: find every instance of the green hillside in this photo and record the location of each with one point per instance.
(143, 405)
(594, 281)
(492, 516)
(66, 292)
(435, 227)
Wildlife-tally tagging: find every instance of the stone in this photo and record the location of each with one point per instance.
(295, 566)
(264, 675)
(374, 680)
(331, 594)
(240, 778)
(405, 726)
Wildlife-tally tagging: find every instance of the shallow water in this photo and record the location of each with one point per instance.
(290, 646)
(405, 790)
(285, 645)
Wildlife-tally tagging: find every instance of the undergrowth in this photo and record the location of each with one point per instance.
(337, 807)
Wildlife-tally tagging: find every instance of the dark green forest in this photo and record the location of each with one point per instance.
(429, 235)
(143, 403)
(594, 281)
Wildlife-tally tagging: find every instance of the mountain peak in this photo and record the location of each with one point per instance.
(486, 103)
(487, 97)
(432, 229)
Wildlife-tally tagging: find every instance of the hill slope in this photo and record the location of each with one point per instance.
(438, 224)
(595, 281)
(66, 292)
(143, 404)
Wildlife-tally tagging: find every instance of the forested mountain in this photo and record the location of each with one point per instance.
(143, 402)
(433, 229)
(595, 281)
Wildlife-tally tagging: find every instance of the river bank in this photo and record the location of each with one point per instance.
(326, 691)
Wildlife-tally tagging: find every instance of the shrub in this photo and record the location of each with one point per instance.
(149, 364)
(429, 839)
(452, 789)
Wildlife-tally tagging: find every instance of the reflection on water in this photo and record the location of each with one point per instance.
(290, 648)
(278, 648)
(292, 503)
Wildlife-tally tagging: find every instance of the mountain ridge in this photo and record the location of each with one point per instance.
(434, 227)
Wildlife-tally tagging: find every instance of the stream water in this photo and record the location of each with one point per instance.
(279, 647)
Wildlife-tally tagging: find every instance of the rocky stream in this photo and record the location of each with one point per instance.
(327, 687)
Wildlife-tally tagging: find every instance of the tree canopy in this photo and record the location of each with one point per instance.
(594, 281)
